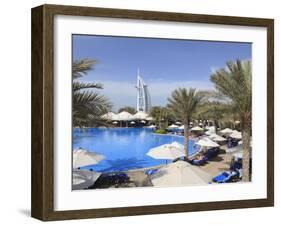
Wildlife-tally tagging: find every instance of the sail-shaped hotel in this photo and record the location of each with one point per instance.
(143, 96)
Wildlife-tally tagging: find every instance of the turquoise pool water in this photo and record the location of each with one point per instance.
(123, 148)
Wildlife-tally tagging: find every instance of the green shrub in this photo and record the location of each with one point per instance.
(160, 131)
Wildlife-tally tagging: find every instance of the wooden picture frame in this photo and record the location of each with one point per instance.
(43, 112)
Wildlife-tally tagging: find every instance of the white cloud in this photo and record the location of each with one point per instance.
(124, 93)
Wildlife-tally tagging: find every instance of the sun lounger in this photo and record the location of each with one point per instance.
(198, 162)
(211, 153)
(226, 177)
(236, 166)
(232, 143)
(151, 171)
(121, 178)
(112, 179)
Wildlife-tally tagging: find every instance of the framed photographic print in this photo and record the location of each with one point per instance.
(141, 112)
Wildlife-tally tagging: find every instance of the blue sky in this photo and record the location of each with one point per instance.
(164, 64)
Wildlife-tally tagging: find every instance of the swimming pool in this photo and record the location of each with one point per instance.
(123, 148)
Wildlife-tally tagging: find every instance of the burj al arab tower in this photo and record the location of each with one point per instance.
(143, 96)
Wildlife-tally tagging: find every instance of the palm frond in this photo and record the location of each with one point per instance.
(235, 83)
(81, 67)
(183, 102)
(88, 105)
(79, 86)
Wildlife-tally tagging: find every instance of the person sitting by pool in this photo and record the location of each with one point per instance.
(199, 157)
(199, 160)
(177, 159)
(232, 161)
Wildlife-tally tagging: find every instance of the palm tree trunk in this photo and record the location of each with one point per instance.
(246, 137)
(159, 123)
(186, 138)
(216, 125)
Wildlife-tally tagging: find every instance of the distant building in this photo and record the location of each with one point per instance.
(143, 96)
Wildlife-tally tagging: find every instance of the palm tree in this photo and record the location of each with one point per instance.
(235, 82)
(214, 110)
(88, 106)
(129, 109)
(183, 103)
(156, 114)
(162, 116)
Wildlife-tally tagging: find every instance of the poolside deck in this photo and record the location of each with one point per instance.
(217, 164)
(213, 167)
(138, 178)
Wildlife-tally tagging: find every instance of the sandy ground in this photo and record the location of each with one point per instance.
(217, 164)
(213, 167)
(138, 178)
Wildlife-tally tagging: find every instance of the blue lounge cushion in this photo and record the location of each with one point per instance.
(199, 162)
(151, 171)
(236, 166)
(211, 153)
(221, 177)
(225, 177)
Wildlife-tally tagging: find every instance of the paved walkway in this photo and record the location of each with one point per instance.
(213, 167)
(139, 178)
(217, 164)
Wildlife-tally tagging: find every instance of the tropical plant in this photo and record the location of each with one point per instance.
(183, 103)
(214, 110)
(162, 116)
(155, 113)
(81, 67)
(160, 131)
(235, 82)
(129, 109)
(88, 106)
